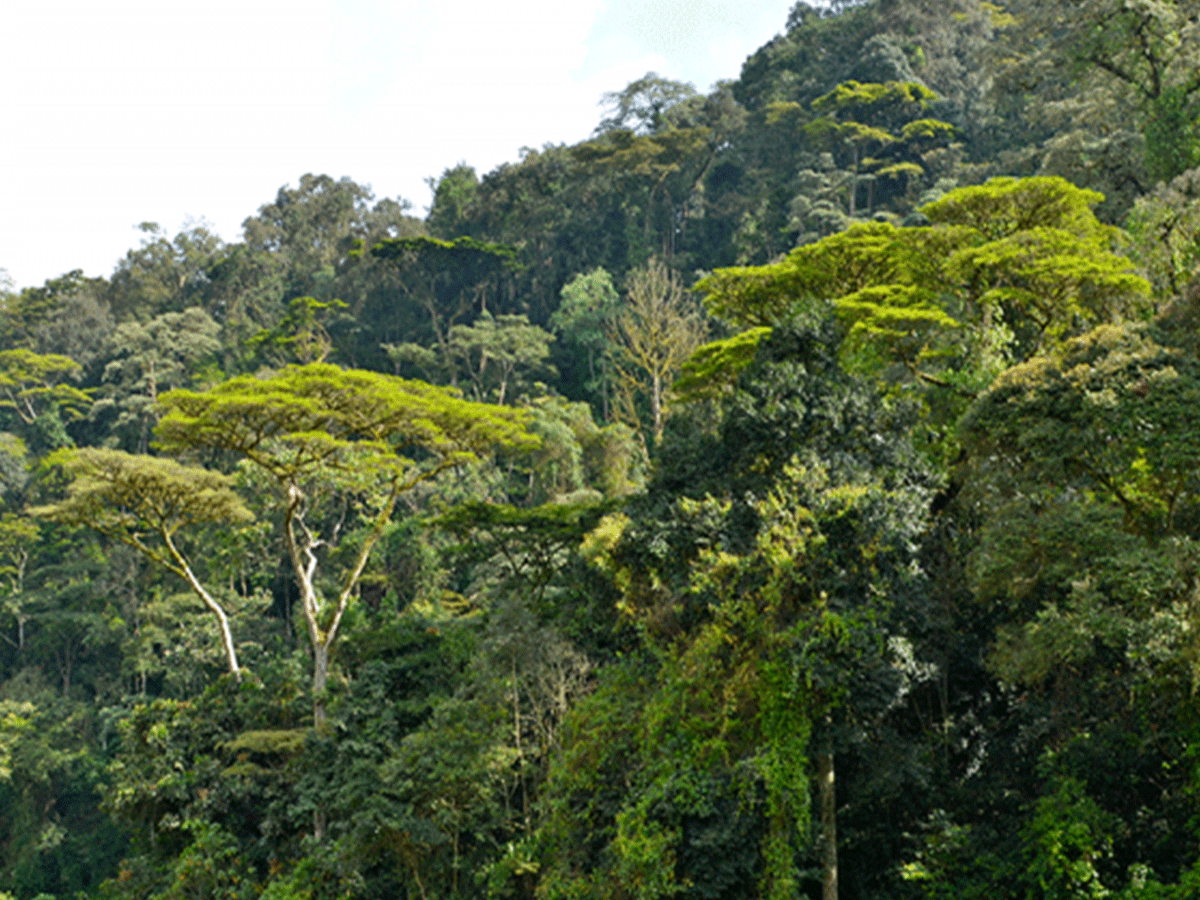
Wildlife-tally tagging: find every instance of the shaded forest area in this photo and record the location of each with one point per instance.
(790, 491)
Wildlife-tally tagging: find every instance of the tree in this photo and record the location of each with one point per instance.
(493, 350)
(145, 502)
(1165, 225)
(645, 106)
(321, 433)
(862, 116)
(1008, 269)
(453, 195)
(1080, 475)
(657, 174)
(1105, 92)
(303, 245)
(152, 358)
(309, 230)
(163, 275)
(446, 278)
(18, 535)
(589, 304)
(29, 312)
(34, 384)
(654, 333)
(300, 336)
(760, 568)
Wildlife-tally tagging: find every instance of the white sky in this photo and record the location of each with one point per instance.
(124, 111)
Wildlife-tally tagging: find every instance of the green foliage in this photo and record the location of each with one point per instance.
(646, 106)
(925, 514)
(584, 320)
(152, 358)
(143, 502)
(1165, 225)
(301, 334)
(164, 276)
(713, 368)
(33, 386)
(757, 572)
(1172, 133)
(1112, 410)
(303, 418)
(321, 433)
(655, 332)
(125, 496)
(495, 350)
(1066, 840)
(1011, 268)
(447, 278)
(210, 866)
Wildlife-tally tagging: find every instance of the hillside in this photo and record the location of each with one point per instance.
(789, 491)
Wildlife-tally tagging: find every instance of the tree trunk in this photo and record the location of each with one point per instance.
(828, 797)
(517, 740)
(214, 607)
(320, 678)
(854, 182)
(656, 407)
(604, 388)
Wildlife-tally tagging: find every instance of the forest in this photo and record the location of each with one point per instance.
(790, 491)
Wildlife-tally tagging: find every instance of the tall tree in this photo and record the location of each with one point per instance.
(146, 502)
(164, 275)
(148, 359)
(321, 434)
(583, 319)
(1009, 268)
(495, 350)
(657, 329)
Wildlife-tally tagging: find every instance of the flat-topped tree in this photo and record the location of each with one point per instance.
(1024, 258)
(886, 119)
(144, 502)
(448, 278)
(319, 432)
(33, 383)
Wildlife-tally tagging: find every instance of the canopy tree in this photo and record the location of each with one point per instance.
(447, 279)
(31, 384)
(1007, 269)
(145, 502)
(589, 303)
(884, 118)
(1081, 484)
(150, 358)
(320, 432)
(1124, 67)
(761, 567)
(496, 350)
(18, 535)
(655, 332)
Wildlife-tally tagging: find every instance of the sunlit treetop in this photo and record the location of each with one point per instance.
(1027, 255)
(296, 420)
(29, 382)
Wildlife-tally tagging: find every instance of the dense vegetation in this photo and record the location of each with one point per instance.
(790, 491)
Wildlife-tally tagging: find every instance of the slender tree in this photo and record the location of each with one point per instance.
(654, 334)
(318, 431)
(145, 502)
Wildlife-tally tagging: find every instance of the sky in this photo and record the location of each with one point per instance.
(130, 111)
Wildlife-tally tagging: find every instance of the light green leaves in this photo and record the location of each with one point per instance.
(1028, 256)
(124, 496)
(302, 418)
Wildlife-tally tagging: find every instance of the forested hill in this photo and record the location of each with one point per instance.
(791, 491)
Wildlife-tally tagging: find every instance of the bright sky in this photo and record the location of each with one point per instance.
(126, 111)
